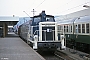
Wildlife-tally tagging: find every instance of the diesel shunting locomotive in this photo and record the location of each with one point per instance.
(42, 33)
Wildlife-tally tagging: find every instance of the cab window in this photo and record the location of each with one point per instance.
(87, 28)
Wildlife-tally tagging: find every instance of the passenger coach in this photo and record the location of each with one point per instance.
(77, 32)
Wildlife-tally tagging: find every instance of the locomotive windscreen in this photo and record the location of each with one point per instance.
(48, 33)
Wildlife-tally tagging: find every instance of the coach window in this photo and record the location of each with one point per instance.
(87, 28)
(71, 28)
(61, 27)
(67, 28)
(58, 27)
(79, 28)
(83, 28)
(76, 28)
(30, 30)
(64, 28)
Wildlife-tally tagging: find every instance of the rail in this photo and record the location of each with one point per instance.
(62, 55)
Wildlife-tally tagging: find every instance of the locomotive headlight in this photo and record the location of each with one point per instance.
(36, 37)
(62, 36)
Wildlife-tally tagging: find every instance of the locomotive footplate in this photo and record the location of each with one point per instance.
(52, 46)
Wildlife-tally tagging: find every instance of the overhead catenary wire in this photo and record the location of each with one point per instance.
(59, 6)
(32, 3)
(74, 7)
(44, 1)
(39, 4)
(37, 7)
(30, 8)
(65, 3)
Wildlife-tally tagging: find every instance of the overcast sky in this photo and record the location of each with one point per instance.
(52, 7)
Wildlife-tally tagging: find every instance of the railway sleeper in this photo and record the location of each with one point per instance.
(62, 55)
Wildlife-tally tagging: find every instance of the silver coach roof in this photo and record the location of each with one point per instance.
(75, 20)
(83, 19)
(69, 21)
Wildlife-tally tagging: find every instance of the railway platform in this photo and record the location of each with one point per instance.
(75, 55)
(14, 48)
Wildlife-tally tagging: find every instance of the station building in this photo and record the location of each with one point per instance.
(6, 21)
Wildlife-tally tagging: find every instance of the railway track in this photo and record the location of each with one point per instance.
(49, 55)
(57, 55)
(62, 55)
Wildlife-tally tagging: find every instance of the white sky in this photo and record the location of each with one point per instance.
(52, 7)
